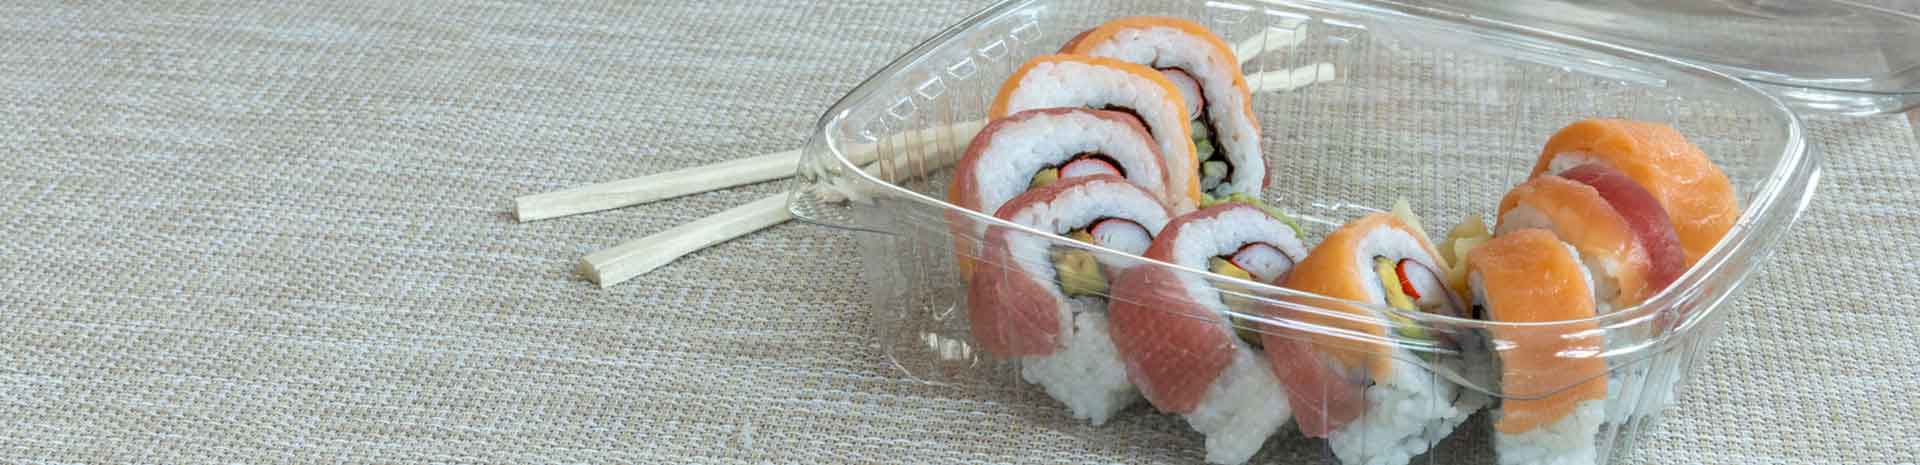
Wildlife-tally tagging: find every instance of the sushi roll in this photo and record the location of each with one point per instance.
(1554, 382)
(1044, 305)
(1369, 399)
(1636, 167)
(1695, 194)
(1627, 243)
(1070, 81)
(1226, 135)
(1034, 148)
(1173, 331)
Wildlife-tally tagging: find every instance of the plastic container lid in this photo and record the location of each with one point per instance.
(1828, 55)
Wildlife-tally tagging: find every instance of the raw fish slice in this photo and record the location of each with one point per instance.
(1696, 195)
(1666, 260)
(1581, 217)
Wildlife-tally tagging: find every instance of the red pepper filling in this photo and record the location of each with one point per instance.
(1406, 285)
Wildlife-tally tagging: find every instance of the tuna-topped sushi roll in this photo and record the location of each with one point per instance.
(1069, 81)
(1553, 381)
(1044, 305)
(1226, 135)
(1369, 399)
(1173, 331)
(1035, 148)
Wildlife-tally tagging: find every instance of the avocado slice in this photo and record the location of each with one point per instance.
(1043, 178)
(1250, 199)
(1241, 329)
(1396, 298)
(1078, 272)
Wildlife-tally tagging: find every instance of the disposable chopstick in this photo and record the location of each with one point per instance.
(1269, 40)
(656, 187)
(636, 257)
(1289, 79)
(635, 191)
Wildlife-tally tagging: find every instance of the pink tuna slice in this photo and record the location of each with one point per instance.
(1323, 398)
(1650, 224)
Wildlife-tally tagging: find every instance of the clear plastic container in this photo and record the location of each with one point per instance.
(1442, 109)
(1832, 56)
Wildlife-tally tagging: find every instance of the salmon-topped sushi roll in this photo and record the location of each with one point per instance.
(1696, 195)
(1045, 304)
(1226, 135)
(1173, 331)
(1071, 81)
(1035, 148)
(1640, 205)
(1629, 247)
(1372, 403)
(1553, 378)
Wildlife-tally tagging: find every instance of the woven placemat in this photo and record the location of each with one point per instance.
(267, 232)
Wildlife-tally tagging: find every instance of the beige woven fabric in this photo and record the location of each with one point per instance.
(263, 232)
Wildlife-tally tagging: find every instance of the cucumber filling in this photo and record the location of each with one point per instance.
(1255, 202)
(1216, 169)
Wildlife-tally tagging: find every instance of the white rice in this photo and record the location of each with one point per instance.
(1406, 414)
(1632, 394)
(1410, 409)
(1166, 47)
(1015, 152)
(1074, 84)
(1224, 234)
(1088, 375)
(1242, 407)
(1231, 229)
(1565, 161)
(1569, 441)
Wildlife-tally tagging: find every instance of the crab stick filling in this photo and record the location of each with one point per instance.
(1256, 261)
(1412, 287)
(1079, 273)
(1081, 165)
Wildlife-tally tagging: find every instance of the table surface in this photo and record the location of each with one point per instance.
(242, 231)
